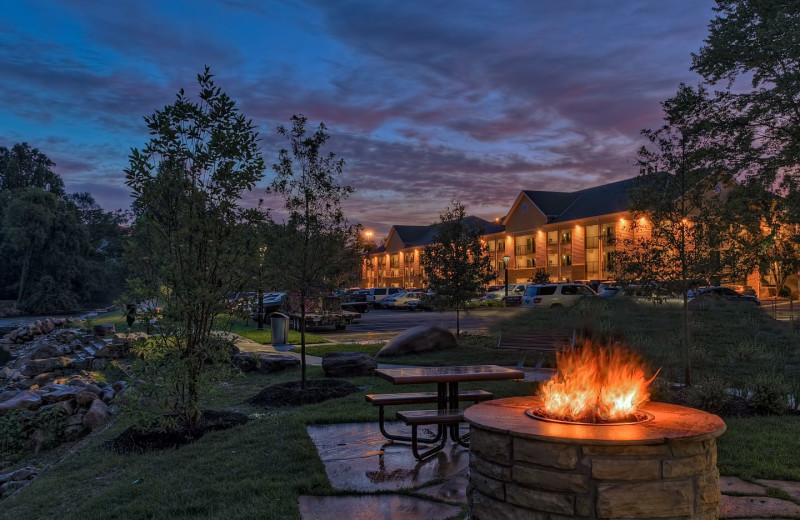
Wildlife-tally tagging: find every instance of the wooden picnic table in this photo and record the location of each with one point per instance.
(446, 380)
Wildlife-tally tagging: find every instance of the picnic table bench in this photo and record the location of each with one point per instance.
(381, 400)
(448, 414)
(542, 341)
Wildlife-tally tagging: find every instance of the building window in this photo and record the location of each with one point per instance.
(566, 237)
(609, 235)
(552, 237)
(501, 245)
(608, 260)
(566, 260)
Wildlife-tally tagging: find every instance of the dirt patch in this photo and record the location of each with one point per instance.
(135, 440)
(292, 394)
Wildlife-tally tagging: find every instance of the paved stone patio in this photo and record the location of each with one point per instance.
(358, 459)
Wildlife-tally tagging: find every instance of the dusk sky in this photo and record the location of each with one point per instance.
(426, 101)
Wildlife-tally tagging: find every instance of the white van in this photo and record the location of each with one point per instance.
(556, 294)
(377, 293)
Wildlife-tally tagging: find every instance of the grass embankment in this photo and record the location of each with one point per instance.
(259, 469)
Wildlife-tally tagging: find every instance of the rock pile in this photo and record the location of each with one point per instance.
(53, 372)
(60, 353)
(38, 328)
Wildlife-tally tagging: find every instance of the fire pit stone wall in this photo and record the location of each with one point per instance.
(554, 471)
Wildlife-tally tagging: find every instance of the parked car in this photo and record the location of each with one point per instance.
(514, 289)
(556, 294)
(388, 301)
(376, 293)
(273, 302)
(407, 301)
(711, 294)
(608, 290)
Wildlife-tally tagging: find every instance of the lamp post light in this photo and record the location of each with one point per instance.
(260, 321)
(505, 265)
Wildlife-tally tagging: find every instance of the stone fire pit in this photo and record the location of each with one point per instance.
(522, 467)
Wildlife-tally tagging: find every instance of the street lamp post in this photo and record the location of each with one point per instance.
(260, 321)
(505, 265)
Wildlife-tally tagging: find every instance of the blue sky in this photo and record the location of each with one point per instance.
(427, 101)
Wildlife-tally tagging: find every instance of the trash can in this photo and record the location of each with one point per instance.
(279, 326)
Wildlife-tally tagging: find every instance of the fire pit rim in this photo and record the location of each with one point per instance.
(508, 416)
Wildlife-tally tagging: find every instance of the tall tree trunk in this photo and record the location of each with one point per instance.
(302, 340)
(23, 276)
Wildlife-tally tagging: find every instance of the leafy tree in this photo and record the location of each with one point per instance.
(27, 226)
(316, 249)
(25, 167)
(190, 240)
(764, 230)
(758, 41)
(680, 196)
(540, 276)
(457, 265)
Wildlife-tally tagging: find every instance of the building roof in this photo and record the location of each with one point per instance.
(412, 236)
(590, 202)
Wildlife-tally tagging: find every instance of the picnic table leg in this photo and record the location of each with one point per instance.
(454, 429)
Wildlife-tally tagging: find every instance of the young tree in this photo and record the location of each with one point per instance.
(680, 196)
(316, 248)
(190, 241)
(457, 265)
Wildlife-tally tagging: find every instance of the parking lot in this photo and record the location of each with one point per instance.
(381, 325)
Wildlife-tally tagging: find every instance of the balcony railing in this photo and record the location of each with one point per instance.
(609, 240)
(524, 250)
(592, 267)
(592, 242)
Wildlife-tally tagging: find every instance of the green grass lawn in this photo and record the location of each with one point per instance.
(247, 328)
(259, 469)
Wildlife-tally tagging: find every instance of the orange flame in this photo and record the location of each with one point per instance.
(595, 384)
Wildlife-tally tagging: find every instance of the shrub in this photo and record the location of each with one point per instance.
(24, 429)
(768, 393)
(748, 350)
(711, 395)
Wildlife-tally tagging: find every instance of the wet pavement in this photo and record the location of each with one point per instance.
(359, 460)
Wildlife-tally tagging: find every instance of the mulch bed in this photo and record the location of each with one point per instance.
(134, 440)
(292, 393)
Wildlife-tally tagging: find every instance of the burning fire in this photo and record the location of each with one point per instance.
(595, 384)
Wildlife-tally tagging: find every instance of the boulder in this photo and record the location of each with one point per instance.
(97, 415)
(58, 393)
(268, 363)
(104, 329)
(24, 400)
(423, 338)
(85, 398)
(245, 362)
(112, 350)
(348, 364)
(45, 350)
(37, 366)
(26, 473)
